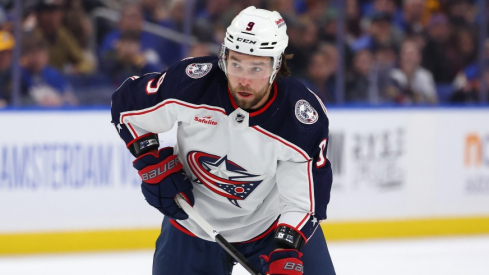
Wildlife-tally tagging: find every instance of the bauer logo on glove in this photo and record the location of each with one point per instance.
(160, 170)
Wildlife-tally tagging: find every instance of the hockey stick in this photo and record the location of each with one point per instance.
(195, 216)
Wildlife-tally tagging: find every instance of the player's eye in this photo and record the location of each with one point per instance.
(256, 69)
(235, 65)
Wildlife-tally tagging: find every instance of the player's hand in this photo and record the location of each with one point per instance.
(163, 179)
(282, 261)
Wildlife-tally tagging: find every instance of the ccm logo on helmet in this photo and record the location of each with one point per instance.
(246, 40)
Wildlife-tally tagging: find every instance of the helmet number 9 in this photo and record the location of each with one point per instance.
(250, 26)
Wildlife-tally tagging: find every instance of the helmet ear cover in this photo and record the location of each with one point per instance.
(256, 32)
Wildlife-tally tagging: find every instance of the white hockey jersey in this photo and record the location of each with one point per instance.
(248, 169)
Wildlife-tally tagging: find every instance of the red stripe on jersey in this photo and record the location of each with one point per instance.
(264, 234)
(304, 220)
(162, 104)
(282, 141)
(320, 101)
(311, 208)
(311, 199)
(308, 167)
(134, 134)
(181, 228)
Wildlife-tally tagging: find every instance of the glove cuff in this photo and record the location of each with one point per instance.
(292, 266)
(283, 261)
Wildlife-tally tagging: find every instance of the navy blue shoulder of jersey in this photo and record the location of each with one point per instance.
(194, 80)
(301, 118)
(187, 81)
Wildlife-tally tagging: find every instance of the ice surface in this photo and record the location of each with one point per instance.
(426, 256)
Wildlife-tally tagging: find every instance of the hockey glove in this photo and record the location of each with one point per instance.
(283, 262)
(163, 179)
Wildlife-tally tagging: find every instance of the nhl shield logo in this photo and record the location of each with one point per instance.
(240, 118)
(198, 70)
(305, 113)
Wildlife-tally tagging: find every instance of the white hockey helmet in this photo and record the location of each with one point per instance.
(256, 32)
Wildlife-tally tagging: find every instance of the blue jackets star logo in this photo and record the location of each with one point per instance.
(223, 176)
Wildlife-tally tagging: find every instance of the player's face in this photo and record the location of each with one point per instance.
(248, 78)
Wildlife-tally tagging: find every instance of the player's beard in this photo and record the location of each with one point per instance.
(245, 103)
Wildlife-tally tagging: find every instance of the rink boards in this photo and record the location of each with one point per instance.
(67, 183)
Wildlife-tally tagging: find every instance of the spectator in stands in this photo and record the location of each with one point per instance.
(411, 21)
(387, 6)
(466, 63)
(467, 85)
(317, 10)
(360, 83)
(172, 51)
(78, 22)
(6, 20)
(385, 59)
(7, 43)
(177, 17)
(321, 76)
(465, 89)
(286, 8)
(461, 12)
(465, 40)
(440, 55)
(155, 11)
(471, 91)
(200, 49)
(353, 20)
(212, 21)
(164, 13)
(303, 42)
(411, 83)
(380, 32)
(45, 85)
(65, 53)
(485, 77)
(127, 59)
(3, 17)
(383, 6)
(132, 20)
(327, 36)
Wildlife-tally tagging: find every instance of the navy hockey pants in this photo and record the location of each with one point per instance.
(178, 253)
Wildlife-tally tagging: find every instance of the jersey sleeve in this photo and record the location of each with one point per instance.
(304, 183)
(138, 107)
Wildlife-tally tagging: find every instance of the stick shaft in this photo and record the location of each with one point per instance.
(195, 216)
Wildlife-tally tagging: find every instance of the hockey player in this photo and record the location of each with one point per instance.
(250, 155)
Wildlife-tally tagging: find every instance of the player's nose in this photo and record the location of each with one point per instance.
(243, 81)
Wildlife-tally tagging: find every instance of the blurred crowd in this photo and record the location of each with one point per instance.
(77, 52)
